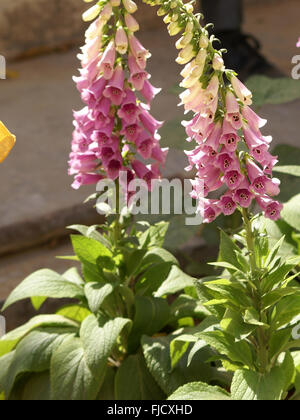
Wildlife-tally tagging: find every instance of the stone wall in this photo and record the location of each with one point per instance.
(34, 26)
(29, 26)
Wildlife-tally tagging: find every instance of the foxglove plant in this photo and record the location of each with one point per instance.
(254, 300)
(90, 347)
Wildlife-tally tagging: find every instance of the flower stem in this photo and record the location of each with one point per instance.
(261, 339)
(250, 240)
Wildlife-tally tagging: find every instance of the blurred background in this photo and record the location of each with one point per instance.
(40, 40)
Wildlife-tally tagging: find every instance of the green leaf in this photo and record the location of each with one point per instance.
(37, 302)
(154, 236)
(96, 293)
(92, 233)
(233, 292)
(5, 363)
(151, 315)
(225, 344)
(291, 212)
(289, 170)
(228, 252)
(158, 256)
(98, 341)
(107, 391)
(75, 312)
(252, 317)
(233, 324)
(73, 276)
(91, 251)
(152, 279)
(267, 90)
(186, 306)
(78, 366)
(142, 387)
(200, 392)
(10, 340)
(157, 356)
(248, 385)
(44, 283)
(276, 295)
(231, 268)
(279, 274)
(286, 311)
(71, 377)
(37, 388)
(179, 347)
(278, 341)
(176, 281)
(34, 352)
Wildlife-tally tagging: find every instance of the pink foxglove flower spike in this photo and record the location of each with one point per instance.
(115, 131)
(232, 157)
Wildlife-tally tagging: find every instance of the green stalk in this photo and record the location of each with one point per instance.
(262, 343)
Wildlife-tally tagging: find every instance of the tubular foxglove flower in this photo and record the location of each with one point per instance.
(115, 129)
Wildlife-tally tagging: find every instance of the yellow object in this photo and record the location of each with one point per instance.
(7, 142)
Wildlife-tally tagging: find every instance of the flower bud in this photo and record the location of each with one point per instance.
(121, 41)
(186, 55)
(204, 42)
(218, 63)
(131, 23)
(130, 6)
(174, 28)
(91, 13)
(201, 56)
(189, 27)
